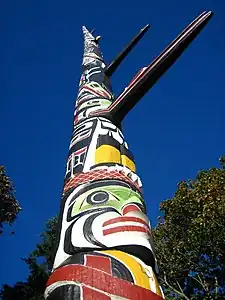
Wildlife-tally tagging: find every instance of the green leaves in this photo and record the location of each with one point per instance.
(9, 206)
(194, 221)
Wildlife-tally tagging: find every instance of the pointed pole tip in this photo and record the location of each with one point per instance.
(146, 27)
(84, 28)
(210, 13)
(207, 13)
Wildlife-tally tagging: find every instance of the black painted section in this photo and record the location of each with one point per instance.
(65, 292)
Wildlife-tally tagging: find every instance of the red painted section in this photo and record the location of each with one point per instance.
(130, 207)
(80, 151)
(101, 281)
(81, 178)
(99, 262)
(101, 93)
(125, 228)
(75, 119)
(136, 76)
(89, 294)
(125, 219)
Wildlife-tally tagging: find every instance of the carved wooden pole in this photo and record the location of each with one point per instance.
(104, 248)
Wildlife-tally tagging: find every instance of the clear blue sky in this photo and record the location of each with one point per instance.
(177, 129)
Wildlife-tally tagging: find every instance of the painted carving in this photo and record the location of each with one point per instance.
(105, 248)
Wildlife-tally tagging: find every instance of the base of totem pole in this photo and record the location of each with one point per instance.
(94, 276)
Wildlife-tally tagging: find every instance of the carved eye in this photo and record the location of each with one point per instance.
(97, 197)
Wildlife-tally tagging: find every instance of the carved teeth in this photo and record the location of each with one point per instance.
(121, 169)
(110, 169)
(139, 182)
(134, 177)
(125, 145)
(126, 170)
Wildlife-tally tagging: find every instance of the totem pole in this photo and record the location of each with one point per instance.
(104, 247)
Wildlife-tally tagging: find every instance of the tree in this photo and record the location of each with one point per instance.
(39, 263)
(190, 238)
(9, 206)
(189, 242)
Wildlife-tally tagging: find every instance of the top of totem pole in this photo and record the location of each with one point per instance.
(91, 49)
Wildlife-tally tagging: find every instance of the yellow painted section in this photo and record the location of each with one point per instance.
(142, 277)
(107, 154)
(128, 163)
(156, 285)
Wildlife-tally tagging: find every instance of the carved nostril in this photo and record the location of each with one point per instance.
(130, 207)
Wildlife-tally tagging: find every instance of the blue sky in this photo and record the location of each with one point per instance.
(176, 130)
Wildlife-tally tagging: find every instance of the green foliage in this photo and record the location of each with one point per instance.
(9, 206)
(40, 263)
(190, 238)
(45, 249)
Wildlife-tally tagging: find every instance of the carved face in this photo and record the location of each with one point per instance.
(105, 214)
(111, 194)
(95, 91)
(83, 111)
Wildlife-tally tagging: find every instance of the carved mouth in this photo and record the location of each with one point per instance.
(125, 224)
